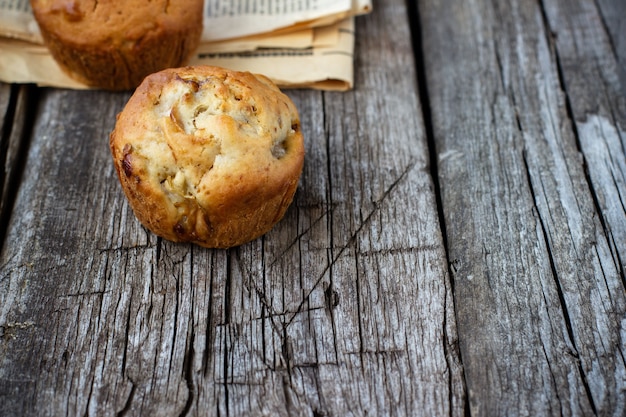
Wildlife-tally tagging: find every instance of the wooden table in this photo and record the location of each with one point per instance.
(456, 246)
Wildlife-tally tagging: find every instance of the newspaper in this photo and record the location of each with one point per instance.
(296, 43)
(16, 21)
(227, 19)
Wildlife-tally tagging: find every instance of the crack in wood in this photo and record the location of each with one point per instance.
(16, 129)
(188, 370)
(129, 399)
(328, 214)
(354, 236)
(451, 348)
(84, 294)
(135, 248)
(559, 289)
(297, 240)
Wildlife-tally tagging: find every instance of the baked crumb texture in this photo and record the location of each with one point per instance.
(113, 45)
(208, 155)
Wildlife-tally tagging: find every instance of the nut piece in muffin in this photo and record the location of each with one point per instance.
(112, 44)
(208, 155)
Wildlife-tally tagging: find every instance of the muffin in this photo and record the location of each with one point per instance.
(208, 155)
(113, 45)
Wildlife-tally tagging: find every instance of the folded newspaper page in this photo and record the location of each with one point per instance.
(298, 44)
(16, 21)
(228, 19)
(317, 66)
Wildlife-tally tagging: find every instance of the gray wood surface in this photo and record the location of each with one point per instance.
(15, 124)
(612, 14)
(343, 309)
(456, 245)
(532, 201)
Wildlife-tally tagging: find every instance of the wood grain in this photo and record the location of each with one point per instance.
(456, 245)
(6, 123)
(612, 14)
(529, 251)
(345, 308)
(598, 114)
(16, 114)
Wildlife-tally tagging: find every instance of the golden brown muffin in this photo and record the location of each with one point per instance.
(114, 44)
(208, 155)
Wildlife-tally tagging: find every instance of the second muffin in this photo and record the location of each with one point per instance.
(112, 44)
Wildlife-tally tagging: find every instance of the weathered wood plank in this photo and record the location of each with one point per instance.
(345, 308)
(613, 13)
(6, 123)
(16, 112)
(531, 262)
(5, 103)
(53, 281)
(598, 109)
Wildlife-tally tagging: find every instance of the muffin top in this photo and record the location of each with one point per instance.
(114, 21)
